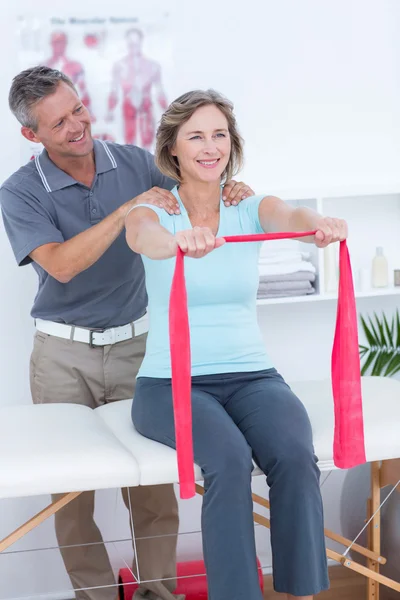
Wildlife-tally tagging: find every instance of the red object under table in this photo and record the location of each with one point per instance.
(193, 583)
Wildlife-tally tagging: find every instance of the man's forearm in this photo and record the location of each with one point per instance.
(80, 252)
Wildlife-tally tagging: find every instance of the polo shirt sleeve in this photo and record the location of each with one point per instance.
(27, 223)
(248, 209)
(157, 178)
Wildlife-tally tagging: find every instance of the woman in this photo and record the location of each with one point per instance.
(242, 408)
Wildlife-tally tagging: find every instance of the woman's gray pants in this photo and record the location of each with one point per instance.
(237, 417)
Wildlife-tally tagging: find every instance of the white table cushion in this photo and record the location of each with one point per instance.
(381, 406)
(55, 448)
(381, 409)
(157, 463)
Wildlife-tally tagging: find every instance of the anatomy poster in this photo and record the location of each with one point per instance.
(120, 67)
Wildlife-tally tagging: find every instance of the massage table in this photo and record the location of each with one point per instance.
(69, 448)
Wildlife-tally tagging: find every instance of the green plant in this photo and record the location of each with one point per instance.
(382, 355)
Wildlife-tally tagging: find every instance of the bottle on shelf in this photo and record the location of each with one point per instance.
(380, 270)
(331, 268)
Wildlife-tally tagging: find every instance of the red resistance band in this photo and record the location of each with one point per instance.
(348, 444)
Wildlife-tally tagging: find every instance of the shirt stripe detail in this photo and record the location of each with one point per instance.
(42, 175)
(109, 154)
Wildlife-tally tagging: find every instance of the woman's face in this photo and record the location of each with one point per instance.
(203, 145)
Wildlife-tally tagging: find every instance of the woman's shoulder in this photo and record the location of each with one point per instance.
(248, 214)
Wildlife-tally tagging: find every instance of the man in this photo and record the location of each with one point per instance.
(64, 213)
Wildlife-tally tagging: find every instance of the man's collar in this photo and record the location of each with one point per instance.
(105, 160)
(55, 179)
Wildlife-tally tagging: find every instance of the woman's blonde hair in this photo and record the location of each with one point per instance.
(177, 114)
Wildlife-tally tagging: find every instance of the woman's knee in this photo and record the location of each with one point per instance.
(296, 460)
(232, 463)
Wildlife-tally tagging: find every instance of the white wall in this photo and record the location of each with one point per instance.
(317, 92)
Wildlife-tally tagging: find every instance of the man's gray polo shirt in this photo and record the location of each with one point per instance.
(42, 204)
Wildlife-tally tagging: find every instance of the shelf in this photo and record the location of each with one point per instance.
(390, 291)
(373, 216)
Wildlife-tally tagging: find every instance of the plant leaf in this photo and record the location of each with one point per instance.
(374, 332)
(389, 331)
(382, 360)
(397, 329)
(381, 357)
(396, 370)
(393, 365)
(386, 358)
(368, 361)
(370, 338)
(376, 370)
(379, 327)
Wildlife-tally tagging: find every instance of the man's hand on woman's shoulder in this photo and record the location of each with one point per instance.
(235, 191)
(157, 197)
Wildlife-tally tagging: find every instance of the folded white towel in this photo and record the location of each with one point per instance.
(281, 255)
(284, 269)
(266, 261)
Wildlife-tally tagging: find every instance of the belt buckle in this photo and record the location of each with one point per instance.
(91, 333)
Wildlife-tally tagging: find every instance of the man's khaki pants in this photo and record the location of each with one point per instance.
(67, 371)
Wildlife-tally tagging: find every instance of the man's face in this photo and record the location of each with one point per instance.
(63, 124)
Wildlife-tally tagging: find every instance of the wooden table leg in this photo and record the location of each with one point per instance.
(36, 520)
(374, 529)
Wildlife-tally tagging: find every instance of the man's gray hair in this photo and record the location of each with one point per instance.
(29, 87)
